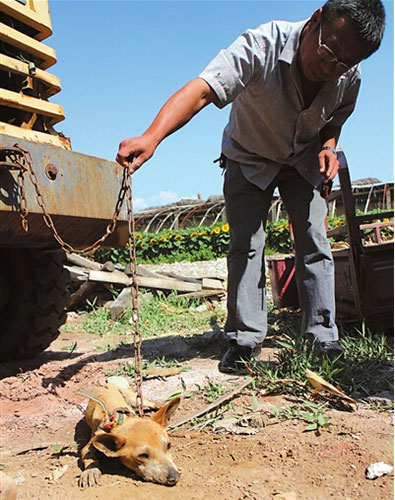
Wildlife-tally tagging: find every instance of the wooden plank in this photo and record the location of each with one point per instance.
(183, 278)
(120, 278)
(212, 406)
(378, 215)
(212, 283)
(54, 112)
(115, 277)
(78, 260)
(142, 271)
(210, 292)
(167, 284)
(32, 46)
(77, 273)
(81, 294)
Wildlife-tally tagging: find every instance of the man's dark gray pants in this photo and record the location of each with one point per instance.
(247, 208)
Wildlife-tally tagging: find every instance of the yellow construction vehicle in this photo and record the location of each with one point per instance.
(52, 199)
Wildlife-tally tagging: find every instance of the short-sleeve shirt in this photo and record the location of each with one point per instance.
(269, 124)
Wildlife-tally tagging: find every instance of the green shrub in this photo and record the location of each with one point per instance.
(207, 243)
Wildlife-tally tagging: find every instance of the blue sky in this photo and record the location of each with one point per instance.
(119, 61)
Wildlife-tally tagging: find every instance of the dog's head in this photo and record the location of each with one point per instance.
(143, 446)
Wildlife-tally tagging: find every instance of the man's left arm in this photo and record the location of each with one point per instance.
(328, 163)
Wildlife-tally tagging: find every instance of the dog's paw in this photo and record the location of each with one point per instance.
(89, 477)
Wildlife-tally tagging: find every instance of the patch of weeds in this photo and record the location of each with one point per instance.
(362, 372)
(184, 392)
(210, 418)
(98, 321)
(378, 406)
(213, 391)
(128, 369)
(312, 413)
(159, 316)
(365, 370)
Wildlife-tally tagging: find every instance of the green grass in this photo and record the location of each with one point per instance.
(128, 369)
(311, 413)
(364, 371)
(158, 317)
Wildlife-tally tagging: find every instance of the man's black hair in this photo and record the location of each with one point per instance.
(366, 16)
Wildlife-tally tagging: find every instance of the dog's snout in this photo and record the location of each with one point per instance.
(173, 477)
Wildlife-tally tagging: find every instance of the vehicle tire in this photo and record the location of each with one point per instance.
(34, 291)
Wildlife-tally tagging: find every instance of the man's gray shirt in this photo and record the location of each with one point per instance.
(269, 124)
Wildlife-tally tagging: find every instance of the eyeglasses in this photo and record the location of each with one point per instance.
(328, 55)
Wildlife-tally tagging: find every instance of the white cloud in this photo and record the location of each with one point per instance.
(139, 204)
(163, 198)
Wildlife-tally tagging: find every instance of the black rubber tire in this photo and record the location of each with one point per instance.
(34, 291)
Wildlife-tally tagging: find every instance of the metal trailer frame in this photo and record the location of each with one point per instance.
(364, 274)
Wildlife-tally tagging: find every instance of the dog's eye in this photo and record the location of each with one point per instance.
(168, 446)
(143, 456)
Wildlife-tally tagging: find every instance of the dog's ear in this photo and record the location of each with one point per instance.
(163, 416)
(109, 444)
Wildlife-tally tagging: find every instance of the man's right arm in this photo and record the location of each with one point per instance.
(175, 113)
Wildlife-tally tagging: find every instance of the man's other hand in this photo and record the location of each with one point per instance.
(328, 164)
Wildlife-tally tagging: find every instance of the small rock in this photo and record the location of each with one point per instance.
(378, 469)
(7, 487)
(120, 382)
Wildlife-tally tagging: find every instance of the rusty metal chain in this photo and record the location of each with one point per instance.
(135, 317)
(15, 163)
(25, 162)
(21, 160)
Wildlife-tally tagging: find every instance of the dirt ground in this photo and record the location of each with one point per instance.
(260, 459)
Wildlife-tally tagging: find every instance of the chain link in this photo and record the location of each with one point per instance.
(21, 160)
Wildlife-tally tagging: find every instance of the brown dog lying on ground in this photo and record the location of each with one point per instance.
(142, 445)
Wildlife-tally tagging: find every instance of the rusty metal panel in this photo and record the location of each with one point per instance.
(80, 193)
(346, 290)
(373, 299)
(378, 293)
(282, 279)
(72, 184)
(78, 232)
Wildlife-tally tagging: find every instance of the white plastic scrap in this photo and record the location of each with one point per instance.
(378, 469)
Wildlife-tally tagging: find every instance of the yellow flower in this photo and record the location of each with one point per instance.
(202, 233)
(153, 241)
(215, 230)
(193, 235)
(225, 228)
(178, 237)
(138, 236)
(169, 233)
(338, 223)
(386, 220)
(286, 225)
(162, 238)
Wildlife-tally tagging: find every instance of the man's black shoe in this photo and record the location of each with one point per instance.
(236, 358)
(331, 349)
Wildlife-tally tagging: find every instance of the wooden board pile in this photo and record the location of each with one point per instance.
(87, 276)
